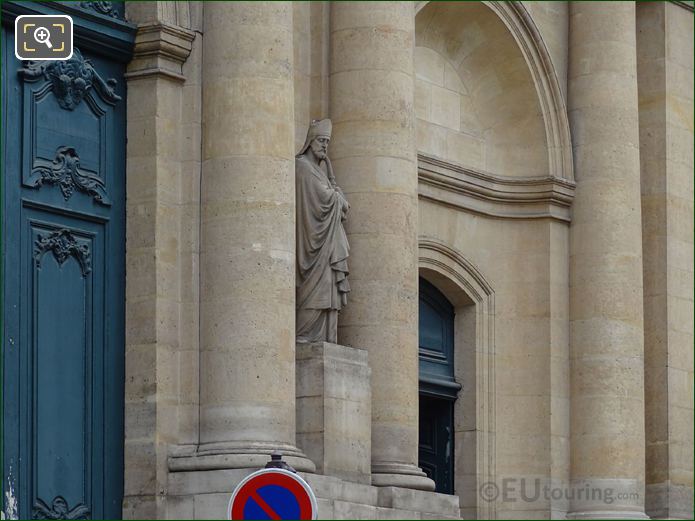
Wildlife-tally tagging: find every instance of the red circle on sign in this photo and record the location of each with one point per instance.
(248, 491)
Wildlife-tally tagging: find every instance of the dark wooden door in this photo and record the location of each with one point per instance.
(436, 450)
(63, 275)
(438, 387)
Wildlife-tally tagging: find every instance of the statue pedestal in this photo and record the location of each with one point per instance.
(334, 409)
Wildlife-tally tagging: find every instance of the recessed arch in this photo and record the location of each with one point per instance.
(524, 31)
(473, 297)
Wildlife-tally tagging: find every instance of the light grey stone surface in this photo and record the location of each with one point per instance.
(334, 409)
(668, 501)
(211, 481)
(348, 510)
(211, 506)
(331, 487)
(419, 500)
(336, 498)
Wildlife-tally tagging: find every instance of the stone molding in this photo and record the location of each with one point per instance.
(234, 455)
(496, 196)
(522, 27)
(436, 256)
(160, 50)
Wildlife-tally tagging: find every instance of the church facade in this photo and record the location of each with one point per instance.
(517, 342)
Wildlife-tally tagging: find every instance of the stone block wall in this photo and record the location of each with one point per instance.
(473, 167)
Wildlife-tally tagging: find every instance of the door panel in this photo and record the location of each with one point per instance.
(436, 451)
(438, 387)
(64, 415)
(63, 208)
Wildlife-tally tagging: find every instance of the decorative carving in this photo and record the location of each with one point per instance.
(59, 510)
(63, 245)
(71, 79)
(102, 7)
(65, 171)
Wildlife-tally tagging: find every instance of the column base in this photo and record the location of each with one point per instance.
(608, 514)
(400, 475)
(606, 498)
(236, 455)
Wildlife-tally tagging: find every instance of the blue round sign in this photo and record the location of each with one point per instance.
(272, 494)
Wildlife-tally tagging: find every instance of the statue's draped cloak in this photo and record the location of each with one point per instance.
(322, 252)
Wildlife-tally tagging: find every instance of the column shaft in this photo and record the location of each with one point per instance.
(606, 315)
(247, 291)
(374, 155)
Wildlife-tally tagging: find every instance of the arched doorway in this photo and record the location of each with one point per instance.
(438, 387)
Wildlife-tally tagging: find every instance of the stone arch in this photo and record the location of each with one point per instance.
(523, 29)
(473, 298)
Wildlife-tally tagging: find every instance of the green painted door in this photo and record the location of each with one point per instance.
(63, 230)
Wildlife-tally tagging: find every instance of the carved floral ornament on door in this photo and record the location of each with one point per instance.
(70, 81)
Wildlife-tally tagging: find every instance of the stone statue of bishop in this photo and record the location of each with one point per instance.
(322, 246)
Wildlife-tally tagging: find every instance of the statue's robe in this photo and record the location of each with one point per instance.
(322, 252)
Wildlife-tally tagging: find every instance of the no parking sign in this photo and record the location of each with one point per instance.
(272, 494)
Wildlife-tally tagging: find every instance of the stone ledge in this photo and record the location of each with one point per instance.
(418, 500)
(348, 354)
(496, 196)
(205, 495)
(329, 487)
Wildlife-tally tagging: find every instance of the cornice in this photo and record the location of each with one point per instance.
(160, 50)
(495, 196)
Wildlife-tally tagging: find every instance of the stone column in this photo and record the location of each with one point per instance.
(247, 296)
(606, 315)
(374, 155)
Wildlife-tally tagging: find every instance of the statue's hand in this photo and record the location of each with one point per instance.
(345, 207)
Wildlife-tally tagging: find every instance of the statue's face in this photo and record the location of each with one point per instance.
(320, 146)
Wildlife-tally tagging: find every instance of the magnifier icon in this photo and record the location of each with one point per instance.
(43, 35)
